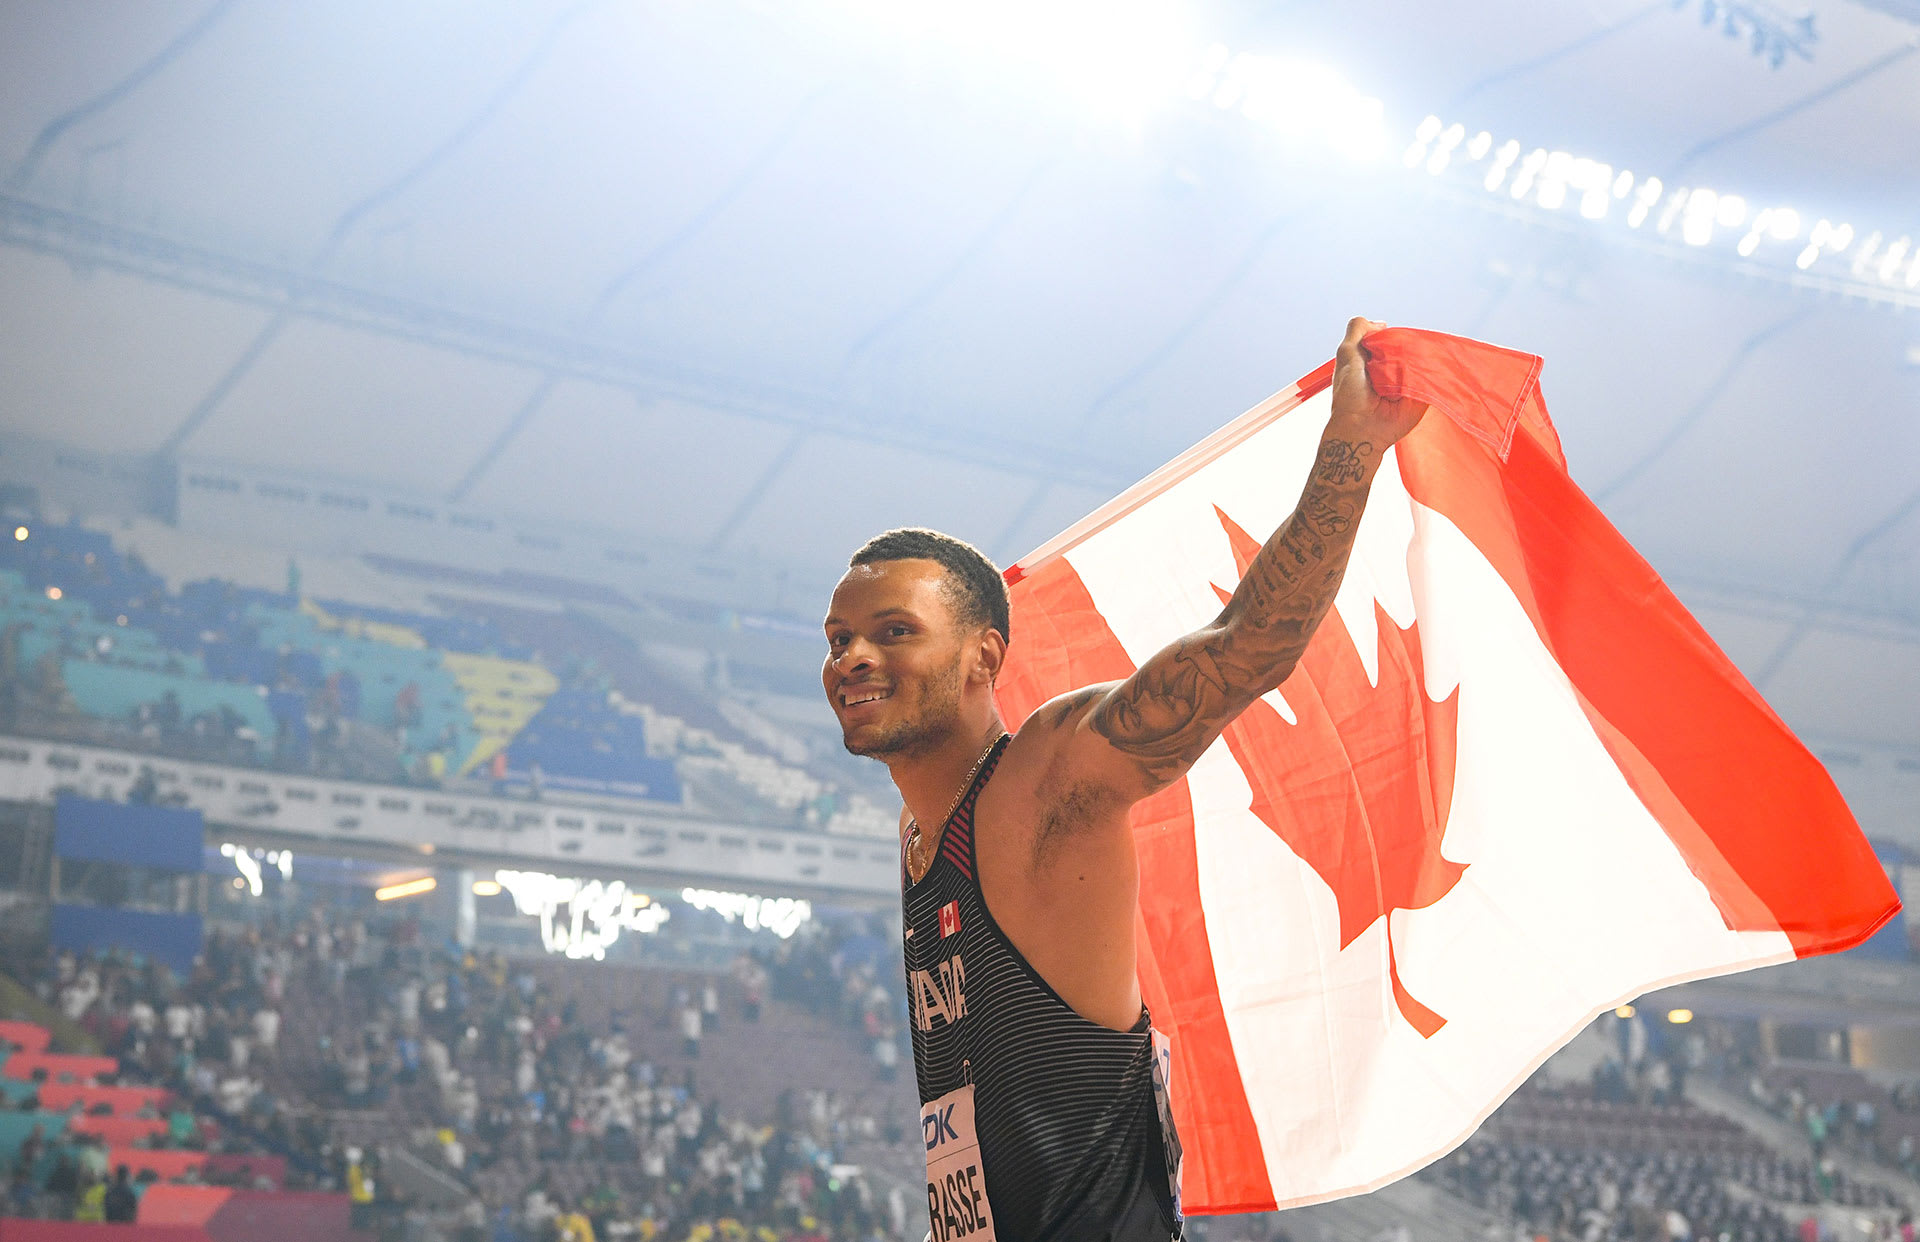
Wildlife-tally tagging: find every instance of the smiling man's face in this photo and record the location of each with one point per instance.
(894, 658)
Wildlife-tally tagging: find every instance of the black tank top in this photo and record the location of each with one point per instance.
(1069, 1126)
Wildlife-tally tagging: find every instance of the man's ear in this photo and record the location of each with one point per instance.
(990, 655)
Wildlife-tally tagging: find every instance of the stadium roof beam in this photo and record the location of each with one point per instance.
(1705, 402)
(474, 122)
(628, 277)
(88, 242)
(1748, 129)
(1534, 64)
(53, 130)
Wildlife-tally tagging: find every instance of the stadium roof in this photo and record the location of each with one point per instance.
(766, 278)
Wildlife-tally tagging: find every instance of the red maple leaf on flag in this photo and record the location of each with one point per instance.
(1360, 788)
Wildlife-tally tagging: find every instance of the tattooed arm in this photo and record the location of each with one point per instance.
(1142, 734)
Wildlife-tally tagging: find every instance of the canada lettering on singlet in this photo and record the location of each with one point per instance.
(939, 993)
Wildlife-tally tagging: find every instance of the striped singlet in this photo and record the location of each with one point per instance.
(1068, 1119)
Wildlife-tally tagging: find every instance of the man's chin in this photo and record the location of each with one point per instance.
(865, 746)
(874, 743)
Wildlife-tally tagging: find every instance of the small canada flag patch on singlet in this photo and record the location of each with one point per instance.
(949, 919)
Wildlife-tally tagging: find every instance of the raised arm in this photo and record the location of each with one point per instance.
(1140, 735)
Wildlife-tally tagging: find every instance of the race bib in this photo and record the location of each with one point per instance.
(956, 1184)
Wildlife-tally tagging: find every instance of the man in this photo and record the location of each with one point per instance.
(1040, 1079)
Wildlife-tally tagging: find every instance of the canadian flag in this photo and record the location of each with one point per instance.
(1511, 784)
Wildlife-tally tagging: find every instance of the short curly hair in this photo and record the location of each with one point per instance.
(974, 588)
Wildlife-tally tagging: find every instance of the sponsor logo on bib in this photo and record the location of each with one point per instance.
(957, 1204)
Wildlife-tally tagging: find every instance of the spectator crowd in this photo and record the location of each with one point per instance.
(463, 1095)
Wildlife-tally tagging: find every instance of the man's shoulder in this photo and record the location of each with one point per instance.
(1043, 764)
(1057, 746)
(1054, 720)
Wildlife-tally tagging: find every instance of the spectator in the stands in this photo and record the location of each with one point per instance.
(752, 979)
(572, 1225)
(91, 1206)
(120, 1203)
(690, 1028)
(406, 706)
(63, 1183)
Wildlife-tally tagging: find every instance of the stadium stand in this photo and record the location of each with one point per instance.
(95, 646)
(412, 1089)
(475, 1095)
(655, 1100)
(81, 1146)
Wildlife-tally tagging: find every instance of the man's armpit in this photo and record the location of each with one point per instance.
(1067, 813)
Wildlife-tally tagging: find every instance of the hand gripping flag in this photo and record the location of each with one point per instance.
(1510, 785)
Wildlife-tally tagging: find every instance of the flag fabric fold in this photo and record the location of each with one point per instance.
(1510, 785)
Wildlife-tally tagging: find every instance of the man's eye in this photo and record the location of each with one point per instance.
(898, 631)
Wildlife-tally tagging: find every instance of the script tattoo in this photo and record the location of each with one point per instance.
(1342, 461)
(1324, 516)
(1172, 709)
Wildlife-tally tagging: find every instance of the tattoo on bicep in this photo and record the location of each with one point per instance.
(1158, 716)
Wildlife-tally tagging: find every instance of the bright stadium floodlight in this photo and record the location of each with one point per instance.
(1125, 60)
(410, 888)
(580, 918)
(780, 915)
(1503, 161)
(1697, 218)
(1295, 98)
(1863, 255)
(1890, 261)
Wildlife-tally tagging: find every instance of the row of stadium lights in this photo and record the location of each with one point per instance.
(1679, 1017)
(1303, 100)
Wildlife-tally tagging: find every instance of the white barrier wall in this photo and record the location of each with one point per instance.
(642, 845)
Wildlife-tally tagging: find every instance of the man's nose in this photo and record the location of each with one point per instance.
(855, 657)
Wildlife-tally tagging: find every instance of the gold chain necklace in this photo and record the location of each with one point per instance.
(915, 867)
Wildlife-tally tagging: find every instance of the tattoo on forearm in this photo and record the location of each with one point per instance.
(1170, 711)
(1325, 516)
(1342, 461)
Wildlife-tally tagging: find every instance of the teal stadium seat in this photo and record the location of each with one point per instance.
(382, 670)
(15, 1127)
(114, 692)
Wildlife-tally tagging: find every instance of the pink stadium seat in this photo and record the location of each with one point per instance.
(166, 1165)
(118, 1131)
(58, 1097)
(60, 1067)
